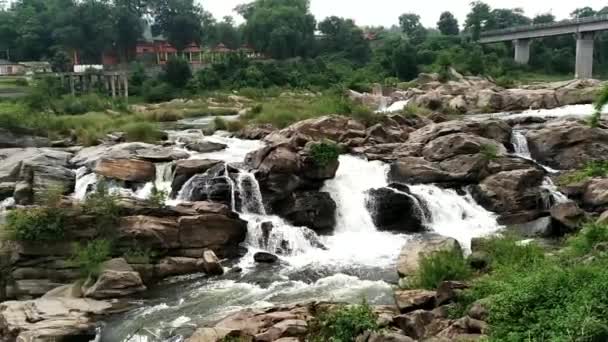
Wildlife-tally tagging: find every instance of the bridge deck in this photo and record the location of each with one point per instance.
(590, 24)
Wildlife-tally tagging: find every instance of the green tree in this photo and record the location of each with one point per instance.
(279, 28)
(180, 21)
(227, 33)
(502, 18)
(448, 24)
(177, 72)
(546, 18)
(476, 19)
(410, 24)
(342, 36)
(583, 12)
(398, 56)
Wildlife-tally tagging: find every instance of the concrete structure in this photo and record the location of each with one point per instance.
(583, 28)
(113, 83)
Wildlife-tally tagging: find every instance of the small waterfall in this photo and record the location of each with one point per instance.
(250, 194)
(164, 177)
(84, 183)
(453, 215)
(4, 206)
(554, 195)
(393, 108)
(348, 189)
(520, 144)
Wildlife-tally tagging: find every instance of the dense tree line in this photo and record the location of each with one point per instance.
(284, 30)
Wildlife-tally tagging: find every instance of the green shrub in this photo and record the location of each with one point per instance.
(177, 72)
(505, 82)
(489, 152)
(158, 92)
(103, 205)
(138, 255)
(342, 324)
(36, 224)
(440, 266)
(585, 241)
(600, 103)
(509, 252)
(220, 124)
(412, 111)
(73, 105)
(591, 170)
(324, 153)
(142, 132)
(158, 197)
(89, 258)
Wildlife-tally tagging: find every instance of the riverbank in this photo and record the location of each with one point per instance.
(329, 209)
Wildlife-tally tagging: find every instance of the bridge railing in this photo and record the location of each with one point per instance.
(562, 23)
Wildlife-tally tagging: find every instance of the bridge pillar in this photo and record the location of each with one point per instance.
(584, 55)
(522, 50)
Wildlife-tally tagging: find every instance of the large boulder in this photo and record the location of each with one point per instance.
(220, 233)
(132, 170)
(213, 185)
(449, 146)
(395, 209)
(116, 279)
(149, 231)
(327, 127)
(90, 156)
(51, 319)
(596, 193)
(411, 300)
(10, 139)
(206, 146)
(569, 215)
(315, 210)
(411, 254)
(567, 144)
(511, 191)
(185, 169)
(173, 266)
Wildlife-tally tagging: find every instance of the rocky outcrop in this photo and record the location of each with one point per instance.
(131, 170)
(116, 279)
(185, 169)
(266, 258)
(395, 209)
(413, 251)
(315, 210)
(212, 185)
(11, 139)
(205, 146)
(567, 144)
(89, 156)
(51, 319)
(569, 215)
(481, 95)
(32, 172)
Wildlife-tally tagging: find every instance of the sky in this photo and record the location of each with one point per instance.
(386, 12)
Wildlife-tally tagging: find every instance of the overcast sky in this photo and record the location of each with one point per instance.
(386, 12)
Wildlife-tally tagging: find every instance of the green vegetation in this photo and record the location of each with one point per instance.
(324, 153)
(104, 207)
(600, 103)
(587, 239)
(89, 258)
(158, 197)
(138, 255)
(342, 324)
(35, 224)
(441, 266)
(413, 111)
(489, 151)
(591, 170)
(143, 132)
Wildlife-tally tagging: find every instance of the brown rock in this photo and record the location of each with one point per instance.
(568, 214)
(414, 250)
(152, 232)
(117, 279)
(173, 266)
(411, 300)
(133, 170)
(211, 231)
(211, 263)
(596, 193)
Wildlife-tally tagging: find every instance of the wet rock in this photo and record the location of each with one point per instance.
(51, 319)
(216, 232)
(10, 139)
(213, 185)
(149, 231)
(116, 279)
(132, 170)
(211, 263)
(411, 300)
(206, 146)
(315, 210)
(185, 169)
(541, 227)
(569, 215)
(173, 266)
(596, 193)
(395, 209)
(159, 154)
(511, 191)
(567, 144)
(448, 146)
(267, 258)
(411, 253)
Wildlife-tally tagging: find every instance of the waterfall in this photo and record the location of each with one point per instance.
(84, 183)
(393, 108)
(555, 196)
(520, 144)
(250, 194)
(4, 205)
(453, 215)
(348, 189)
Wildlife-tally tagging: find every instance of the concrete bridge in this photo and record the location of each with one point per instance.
(583, 28)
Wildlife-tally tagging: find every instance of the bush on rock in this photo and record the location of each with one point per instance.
(342, 324)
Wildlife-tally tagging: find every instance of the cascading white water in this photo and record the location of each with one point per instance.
(162, 182)
(393, 108)
(453, 215)
(4, 205)
(250, 194)
(520, 144)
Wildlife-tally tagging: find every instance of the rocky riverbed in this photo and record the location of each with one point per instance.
(257, 235)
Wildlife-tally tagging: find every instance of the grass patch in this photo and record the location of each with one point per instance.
(585, 241)
(324, 153)
(413, 111)
(591, 170)
(342, 324)
(142, 132)
(89, 258)
(441, 266)
(489, 152)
